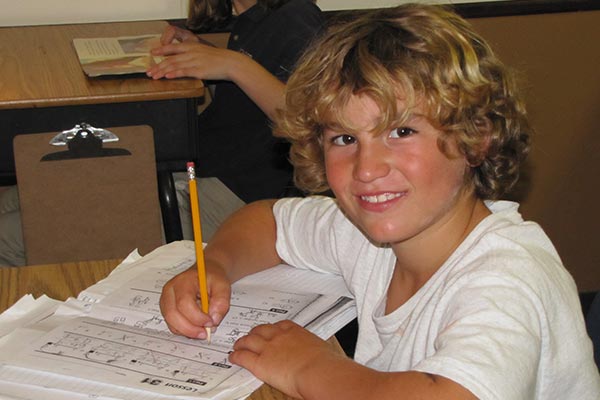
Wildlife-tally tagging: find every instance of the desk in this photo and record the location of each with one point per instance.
(44, 89)
(60, 281)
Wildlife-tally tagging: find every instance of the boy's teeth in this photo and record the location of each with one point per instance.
(380, 198)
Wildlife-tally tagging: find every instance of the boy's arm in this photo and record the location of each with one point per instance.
(303, 366)
(349, 380)
(244, 244)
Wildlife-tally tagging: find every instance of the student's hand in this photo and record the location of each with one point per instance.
(180, 303)
(194, 60)
(174, 34)
(279, 353)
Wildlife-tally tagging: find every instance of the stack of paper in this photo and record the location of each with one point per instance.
(111, 342)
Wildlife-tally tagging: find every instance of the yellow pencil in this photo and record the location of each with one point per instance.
(198, 240)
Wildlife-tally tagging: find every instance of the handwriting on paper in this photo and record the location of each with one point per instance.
(141, 354)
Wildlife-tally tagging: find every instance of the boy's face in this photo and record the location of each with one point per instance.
(397, 185)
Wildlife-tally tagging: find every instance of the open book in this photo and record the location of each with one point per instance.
(116, 55)
(112, 341)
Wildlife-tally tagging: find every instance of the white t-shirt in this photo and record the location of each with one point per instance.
(501, 317)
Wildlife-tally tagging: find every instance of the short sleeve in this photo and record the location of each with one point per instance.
(305, 232)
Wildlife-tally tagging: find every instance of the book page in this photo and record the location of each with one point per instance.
(117, 55)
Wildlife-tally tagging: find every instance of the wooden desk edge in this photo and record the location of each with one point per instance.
(57, 281)
(195, 91)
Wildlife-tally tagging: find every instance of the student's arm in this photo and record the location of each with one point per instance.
(244, 244)
(197, 60)
(303, 366)
(265, 90)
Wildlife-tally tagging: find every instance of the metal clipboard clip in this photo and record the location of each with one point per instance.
(84, 141)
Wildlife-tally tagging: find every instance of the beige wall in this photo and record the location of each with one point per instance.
(559, 56)
(39, 12)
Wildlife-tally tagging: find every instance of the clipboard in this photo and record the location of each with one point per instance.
(94, 204)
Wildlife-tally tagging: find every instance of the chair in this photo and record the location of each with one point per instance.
(97, 200)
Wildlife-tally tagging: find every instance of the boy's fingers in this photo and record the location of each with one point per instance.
(177, 321)
(219, 301)
(250, 343)
(243, 358)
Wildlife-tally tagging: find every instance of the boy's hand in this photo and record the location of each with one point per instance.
(180, 305)
(279, 353)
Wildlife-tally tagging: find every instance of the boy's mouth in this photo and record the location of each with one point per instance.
(380, 198)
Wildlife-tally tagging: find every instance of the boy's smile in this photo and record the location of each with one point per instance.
(397, 186)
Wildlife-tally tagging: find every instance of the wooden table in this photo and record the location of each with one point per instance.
(44, 89)
(60, 281)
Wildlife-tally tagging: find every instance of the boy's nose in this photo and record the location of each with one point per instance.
(371, 163)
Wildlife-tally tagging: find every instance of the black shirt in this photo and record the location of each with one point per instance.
(235, 141)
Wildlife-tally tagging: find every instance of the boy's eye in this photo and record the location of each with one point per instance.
(343, 140)
(402, 132)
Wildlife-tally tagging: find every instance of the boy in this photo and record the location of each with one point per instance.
(415, 126)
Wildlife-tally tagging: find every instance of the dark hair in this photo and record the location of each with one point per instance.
(210, 15)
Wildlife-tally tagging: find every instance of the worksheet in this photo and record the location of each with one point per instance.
(122, 348)
(142, 354)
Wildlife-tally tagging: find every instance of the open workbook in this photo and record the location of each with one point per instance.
(112, 341)
(116, 55)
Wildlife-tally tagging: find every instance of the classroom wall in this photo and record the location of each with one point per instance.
(558, 56)
(41, 12)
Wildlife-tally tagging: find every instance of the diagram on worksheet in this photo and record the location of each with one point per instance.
(139, 354)
(112, 341)
(136, 303)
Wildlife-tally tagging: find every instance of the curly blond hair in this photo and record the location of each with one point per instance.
(424, 54)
